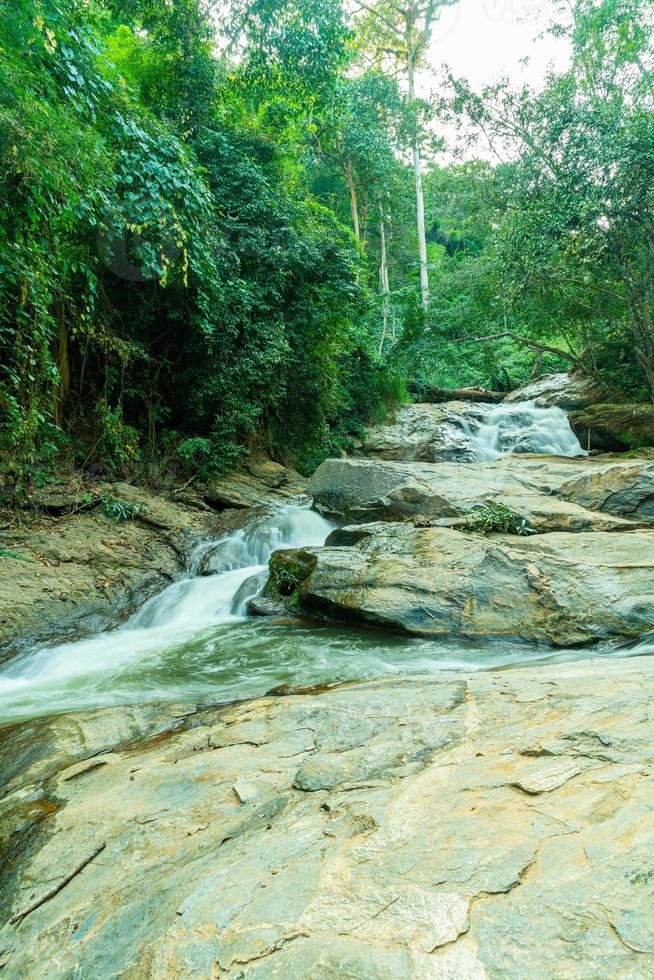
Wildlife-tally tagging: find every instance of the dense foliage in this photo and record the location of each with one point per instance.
(171, 288)
(211, 234)
(553, 250)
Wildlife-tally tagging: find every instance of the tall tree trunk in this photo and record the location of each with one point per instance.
(420, 200)
(61, 355)
(383, 282)
(346, 168)
(354, 205)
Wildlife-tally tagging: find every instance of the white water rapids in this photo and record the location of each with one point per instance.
(194, 642)
(523, 428)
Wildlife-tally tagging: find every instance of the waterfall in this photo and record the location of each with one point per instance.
(523, 428)
(226, 574)
(223, 576)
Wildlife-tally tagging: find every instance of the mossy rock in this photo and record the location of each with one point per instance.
(288, 569)
(614, 428)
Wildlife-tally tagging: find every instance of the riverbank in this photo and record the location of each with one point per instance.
(240, 812)
(81, 559)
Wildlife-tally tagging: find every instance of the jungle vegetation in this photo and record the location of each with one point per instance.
(226, 226)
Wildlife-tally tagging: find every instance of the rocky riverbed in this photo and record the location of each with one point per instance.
(497, 826)
(450, 825)
(72, 570)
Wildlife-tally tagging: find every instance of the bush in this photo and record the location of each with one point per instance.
(496, 518)
(121, 510)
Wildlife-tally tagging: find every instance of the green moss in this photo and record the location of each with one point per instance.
(288, 569)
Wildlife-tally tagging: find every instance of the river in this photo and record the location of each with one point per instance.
(195, 642)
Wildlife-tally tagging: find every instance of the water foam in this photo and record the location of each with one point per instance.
(523, 428)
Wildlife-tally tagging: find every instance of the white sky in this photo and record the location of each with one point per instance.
(483, 40)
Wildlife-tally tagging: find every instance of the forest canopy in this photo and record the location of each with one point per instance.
(227, 226)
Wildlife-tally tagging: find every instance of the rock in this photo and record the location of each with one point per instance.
(364, 490)
(419, 857)
(152, 509)
(546, 777)
(265, 606)
(614, 428)
(626, 489)
(557, 588)
(261, 482)
(425, 433)
(83, 573)
(567, 391)
(270, 473)
(58, 501)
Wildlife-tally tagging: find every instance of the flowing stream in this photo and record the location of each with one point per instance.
(523, 428)
(195, 642)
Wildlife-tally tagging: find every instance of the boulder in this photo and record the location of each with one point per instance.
(624, 488)
(425, 433)
(558, 588)
(614, 428)
(567, 391)
(495, 824)
(364, 490)
(258, 483)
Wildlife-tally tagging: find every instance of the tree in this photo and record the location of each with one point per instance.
(578, 234)
(171, 287)
(401, 32)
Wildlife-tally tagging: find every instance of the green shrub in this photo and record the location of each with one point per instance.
(121, 510)
(497, 518)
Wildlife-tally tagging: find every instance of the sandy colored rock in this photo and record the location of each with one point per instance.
(559, 588)
(438, 865)
(258, 483)
(551, 493)
(82, 573)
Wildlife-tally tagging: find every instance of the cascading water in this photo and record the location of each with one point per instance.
(523, 428)
(55, 678)
(195, 643)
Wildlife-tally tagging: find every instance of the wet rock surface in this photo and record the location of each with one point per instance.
(82, 573)
(563, 390)
(491, 826)
(425, 433)
(614, 428)
(76, 571)
(551, 493)
(559, 588)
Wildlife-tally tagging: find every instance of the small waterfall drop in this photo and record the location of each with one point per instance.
(523, 428)
(224, 575)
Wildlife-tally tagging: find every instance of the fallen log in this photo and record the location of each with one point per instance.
(462, 395)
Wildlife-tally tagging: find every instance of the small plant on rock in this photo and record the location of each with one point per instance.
(121, 510)
(497, 518)
(284, 577)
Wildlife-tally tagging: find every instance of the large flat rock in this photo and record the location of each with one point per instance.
(567, 391)
(615, 428)
(551, 493)
(558, 588)
(494, 826)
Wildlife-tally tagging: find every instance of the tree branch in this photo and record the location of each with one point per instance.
(533, 344)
